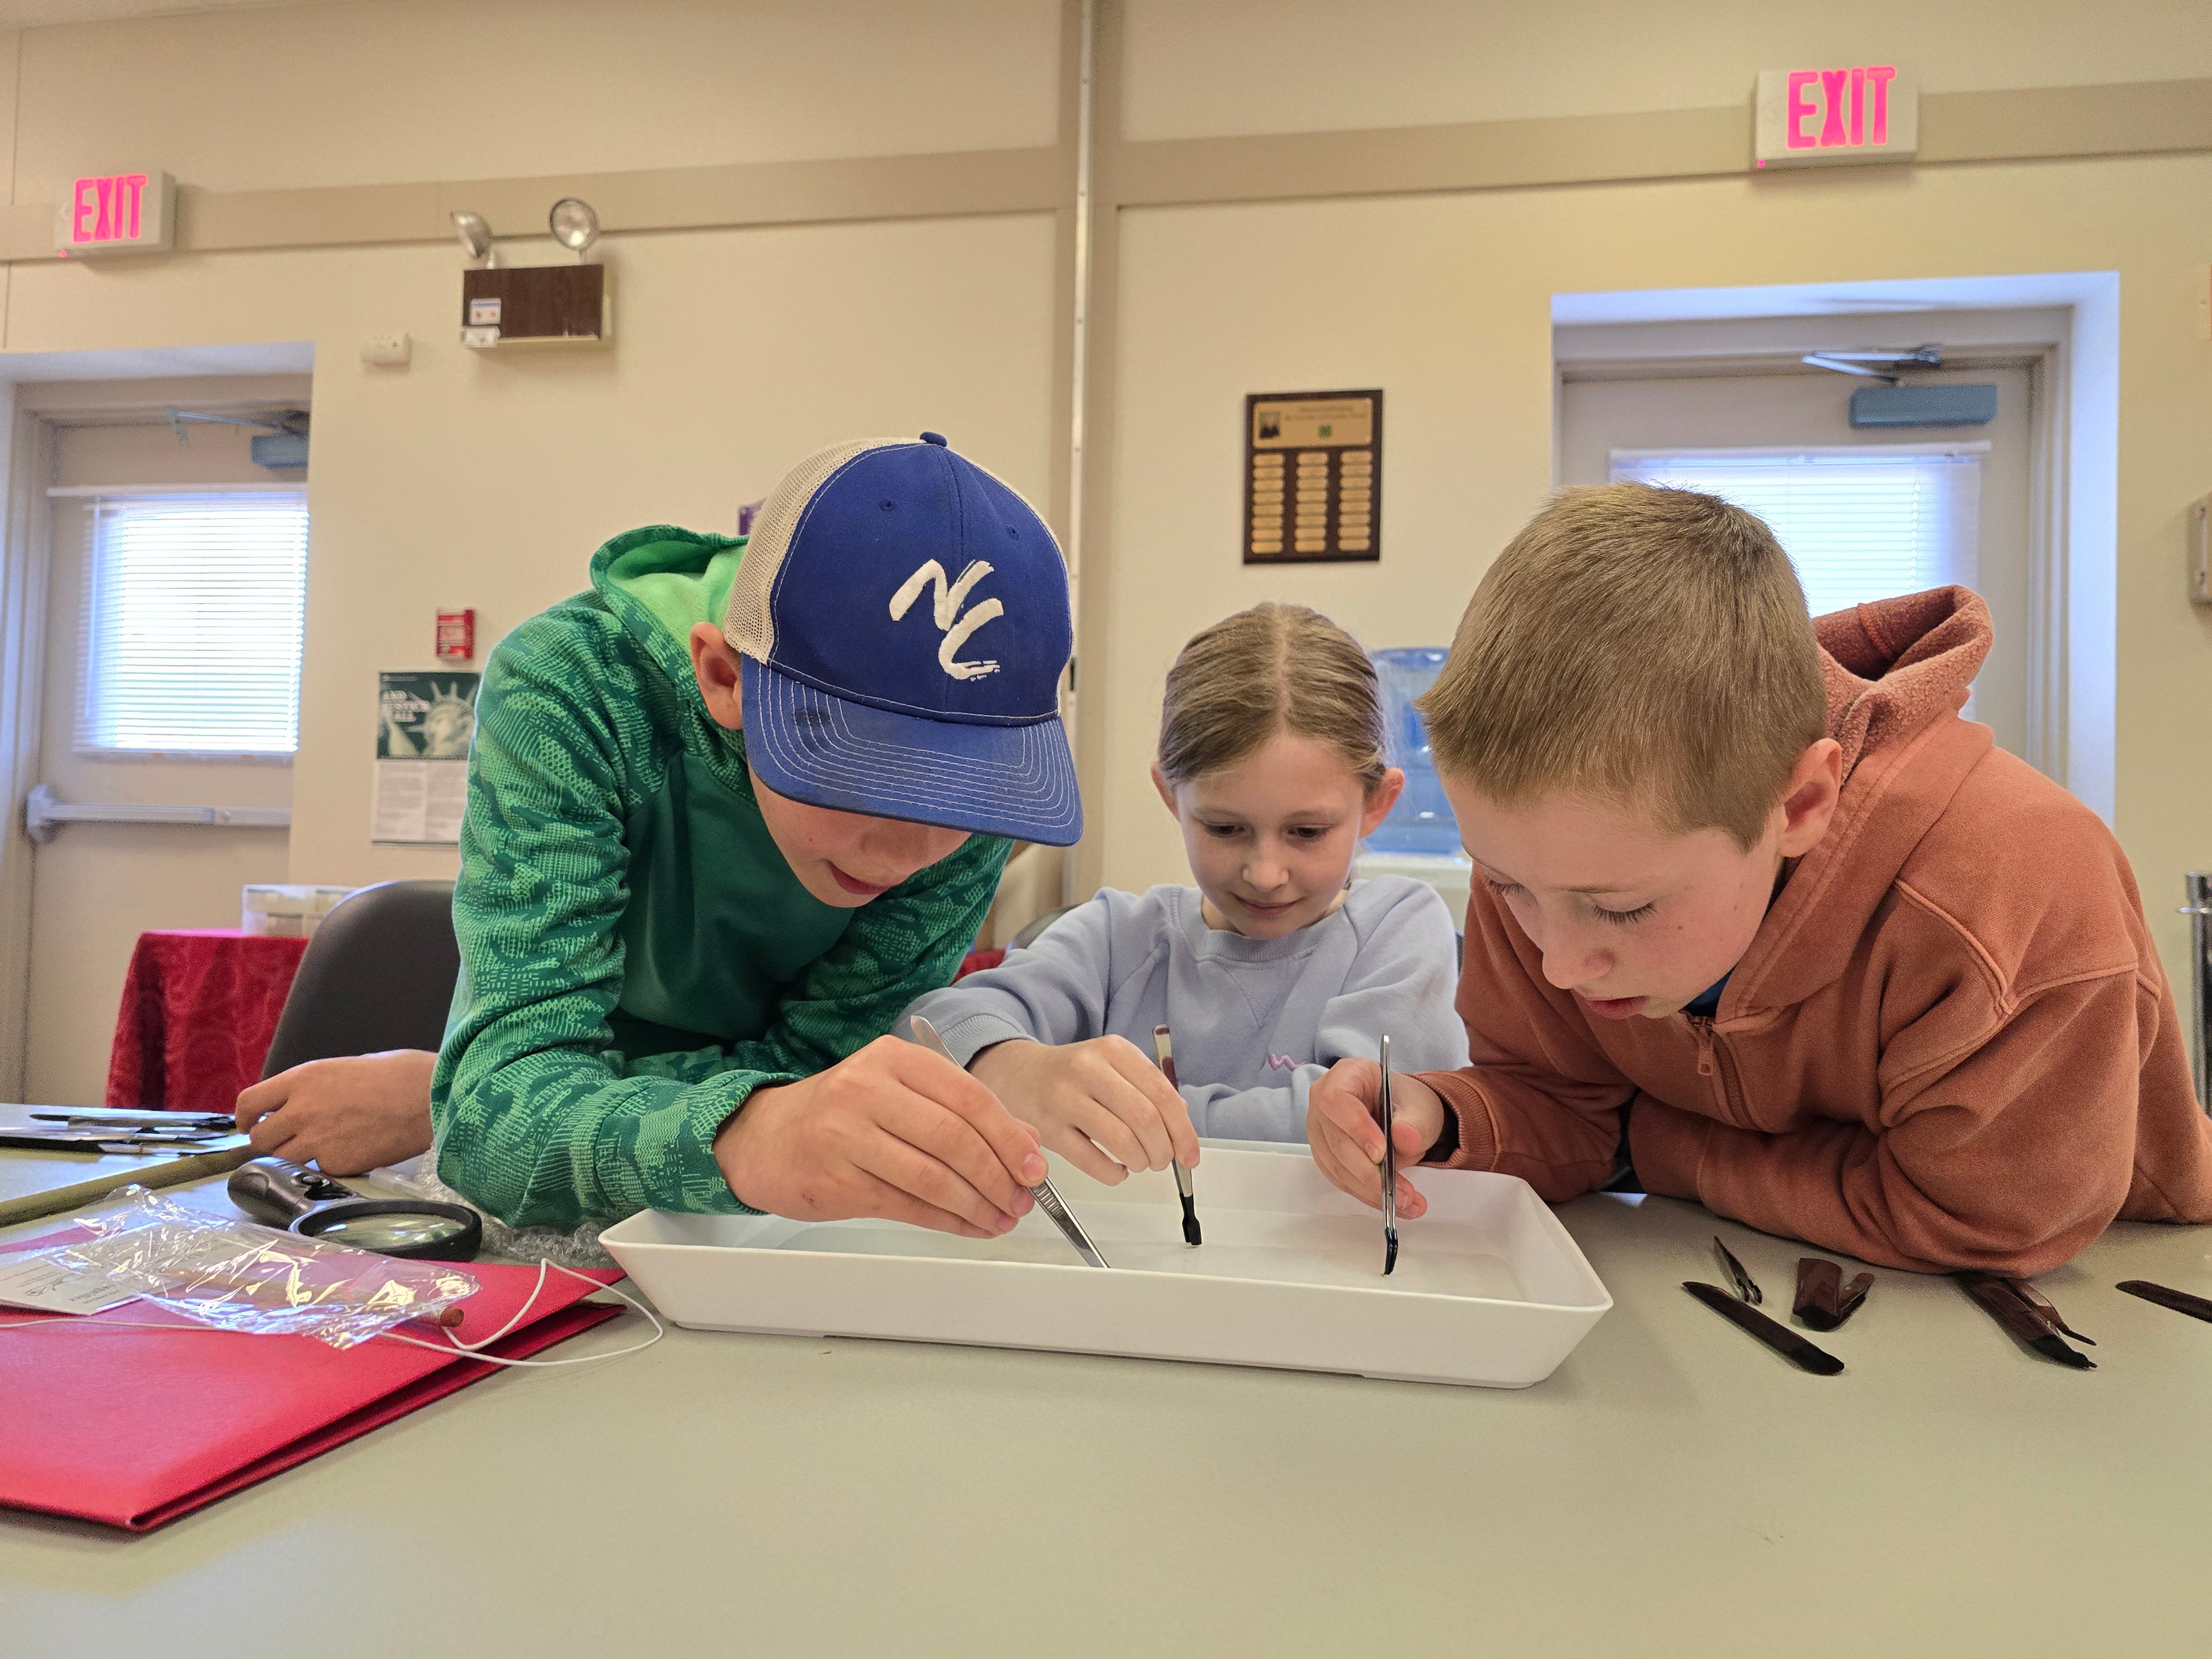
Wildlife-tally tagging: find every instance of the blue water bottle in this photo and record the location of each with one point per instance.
(1422, 822)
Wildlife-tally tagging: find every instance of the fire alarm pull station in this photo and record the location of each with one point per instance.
(456, 636)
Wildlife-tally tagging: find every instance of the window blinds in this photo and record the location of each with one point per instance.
(192, 623)
(1859, 524)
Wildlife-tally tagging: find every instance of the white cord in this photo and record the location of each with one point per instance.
(452, 1346)
(468, 1349)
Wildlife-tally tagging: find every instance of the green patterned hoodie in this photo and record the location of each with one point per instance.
(636, 957)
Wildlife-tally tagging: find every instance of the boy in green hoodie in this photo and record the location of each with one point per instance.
(728, 814)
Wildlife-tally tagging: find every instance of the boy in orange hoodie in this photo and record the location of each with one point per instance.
(1751, 890)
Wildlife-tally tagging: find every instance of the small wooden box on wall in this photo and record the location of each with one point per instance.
(537, 305)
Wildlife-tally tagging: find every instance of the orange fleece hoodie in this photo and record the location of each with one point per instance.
(1950, 1044)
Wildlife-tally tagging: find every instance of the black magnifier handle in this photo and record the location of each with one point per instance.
(281, 1194)
(277, 1192)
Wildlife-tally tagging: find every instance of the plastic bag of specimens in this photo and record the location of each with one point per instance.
(240, 1276)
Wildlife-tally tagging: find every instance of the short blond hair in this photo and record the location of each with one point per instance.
(1273, 668)
(1635, 644)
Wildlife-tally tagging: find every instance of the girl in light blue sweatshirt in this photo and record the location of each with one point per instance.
(1273, 968)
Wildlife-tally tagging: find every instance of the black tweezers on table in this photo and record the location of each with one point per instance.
(1785, 1342)
(2181, 1301)
(2028, 1314)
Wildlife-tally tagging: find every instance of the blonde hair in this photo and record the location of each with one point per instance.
(1273, 668)
(1639, 643)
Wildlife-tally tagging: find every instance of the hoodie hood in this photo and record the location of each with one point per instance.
(660, 582)
(1896, 666)
(1897, 672)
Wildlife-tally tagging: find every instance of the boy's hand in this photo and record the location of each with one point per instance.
(893, 1131)
(347, 1116)
(1343, 1127)
(1085, 1096)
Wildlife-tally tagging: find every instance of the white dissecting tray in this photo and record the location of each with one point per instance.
(1489, 1288)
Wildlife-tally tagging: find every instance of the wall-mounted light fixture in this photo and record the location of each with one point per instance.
(574, 225)
(536, 304)
(475, 235)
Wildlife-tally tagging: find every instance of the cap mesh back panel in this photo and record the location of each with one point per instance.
(749, 624)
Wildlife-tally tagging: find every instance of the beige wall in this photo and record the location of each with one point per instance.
(1444, 301)
(487, 479)
(1257, 66)
(279, 97)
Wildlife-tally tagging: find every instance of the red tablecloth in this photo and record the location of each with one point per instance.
(977, 961)
(199, 1006)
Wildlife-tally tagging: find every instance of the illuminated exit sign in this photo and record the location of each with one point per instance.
(1820, 117)
(131, 212)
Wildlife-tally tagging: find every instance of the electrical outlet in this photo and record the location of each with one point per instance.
(388, 351)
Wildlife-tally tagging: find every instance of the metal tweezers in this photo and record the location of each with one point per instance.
(2028, 1313)
(141, 1143)
(1046, 1195)
(129, 1120)
(1389, 1170)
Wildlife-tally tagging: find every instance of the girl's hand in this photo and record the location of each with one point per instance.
(1345, 1132)
(1086, 1096)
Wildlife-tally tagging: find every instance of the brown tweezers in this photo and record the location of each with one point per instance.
(2021, 1312)
(1824, 1301)
(2182, 1301)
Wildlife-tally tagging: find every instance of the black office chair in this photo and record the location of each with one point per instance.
(377, 974)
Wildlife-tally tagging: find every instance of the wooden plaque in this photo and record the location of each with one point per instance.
(1313, 476)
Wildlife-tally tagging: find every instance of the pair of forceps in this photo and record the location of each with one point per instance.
(138, 1143)
(1046, 1195)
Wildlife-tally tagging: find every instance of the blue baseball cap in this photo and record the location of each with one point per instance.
(902, 622)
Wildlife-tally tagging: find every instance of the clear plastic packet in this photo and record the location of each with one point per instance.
(239, 1276)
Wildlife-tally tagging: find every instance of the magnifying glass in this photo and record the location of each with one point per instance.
(308, 1202)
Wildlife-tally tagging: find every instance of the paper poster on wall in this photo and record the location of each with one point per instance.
(1313, 476)
(423, 726)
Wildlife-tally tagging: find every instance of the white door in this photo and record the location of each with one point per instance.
(1809, 410)
(95, 887)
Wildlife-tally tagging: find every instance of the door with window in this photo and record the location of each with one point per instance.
(172, 648)
(1864, 513)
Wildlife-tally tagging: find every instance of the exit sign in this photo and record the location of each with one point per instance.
(129, 212)
(1820, 117)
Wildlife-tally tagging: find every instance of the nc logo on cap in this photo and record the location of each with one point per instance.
(858, 697)
(955, 627)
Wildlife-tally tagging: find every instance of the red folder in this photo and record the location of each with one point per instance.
(134, 1428)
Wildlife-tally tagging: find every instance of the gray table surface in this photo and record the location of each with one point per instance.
(1673, 1489)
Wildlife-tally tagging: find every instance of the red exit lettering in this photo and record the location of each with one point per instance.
(107, 209)
(1852, 105)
